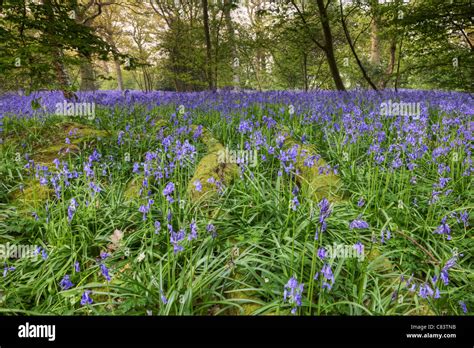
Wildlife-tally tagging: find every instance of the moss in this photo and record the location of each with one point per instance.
(208, 167)
(378, 261)
(319, 185)
(132, 190)
(47, 155)
(77, 134)
(33, 195)
(247, 299)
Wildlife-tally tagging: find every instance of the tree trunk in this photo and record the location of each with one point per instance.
(328, 46)
(374, 42)
(391, 65)
(205, 12)
(351, 45)
(118, 71)
(230, 29)
(305, 70)
(57, 53)
(87, 74)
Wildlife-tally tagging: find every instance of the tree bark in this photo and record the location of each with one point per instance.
(391, 65)
(351, 45)
(374, 42)
(328, 46)
(230, 30)
(57, 53)
(87, 74)
(205, 12)
(118, 71)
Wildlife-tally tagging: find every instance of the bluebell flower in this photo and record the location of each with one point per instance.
(163, 297)
(464, 216)
(194, 230)
(293, 293)
(444, 228)
(66, 283)
(295, 203)
(136, 168)
(105, 272)
(144, 210)
(175, 239)
(7, 269)
(326, 271)
(211, 229)
(425, 291)
(359, 247)
(198, 185)
(77, 267)
(71, 209)
(169, 188)
(463, 306)
(358, 224)
(321, 253)
(157, 227)
(324, 212)
(86, 299)
(103, 255)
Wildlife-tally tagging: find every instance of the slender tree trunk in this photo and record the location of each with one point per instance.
(351, 45)
(328, 46)
(374, 42)
(118, 71)
(57, 53)
(391, 65)
(230, 30)
(305, 70)
(205, 11)
(87, 75)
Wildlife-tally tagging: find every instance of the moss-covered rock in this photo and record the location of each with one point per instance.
(77, 133)
(32, 195)
(210, 167)
(314, 179)
(132, 190)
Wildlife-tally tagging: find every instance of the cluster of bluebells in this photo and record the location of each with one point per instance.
(324, 212)
(103, 268)
(7, 269)
(358, 224)
(445, 229)
(292, 293)
(41, 251)
(425, 290)
(385, 235)
(327, 276)
(294, 203)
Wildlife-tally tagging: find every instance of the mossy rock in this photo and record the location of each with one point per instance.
(46, 156)
(212, 144)
(247, 300)
(318, 185)
(132, 190)
(77, 133)
(378, 261)
(208, 167)
(33, 195)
